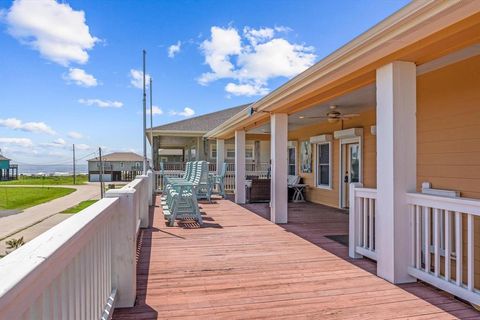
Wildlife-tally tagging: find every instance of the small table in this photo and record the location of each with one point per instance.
(298, 192)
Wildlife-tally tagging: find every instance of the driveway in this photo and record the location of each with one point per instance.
(14, 223)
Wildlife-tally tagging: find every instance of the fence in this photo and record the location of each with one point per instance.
(442, 253)
(363, 211)
(81, 267)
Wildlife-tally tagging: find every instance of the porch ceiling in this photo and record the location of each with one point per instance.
(357, 101)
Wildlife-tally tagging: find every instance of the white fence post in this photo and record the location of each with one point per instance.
(353, 223)
(143, 190)
(124, 236)
(151, 187)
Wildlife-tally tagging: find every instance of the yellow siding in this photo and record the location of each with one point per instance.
(331, 197)
(448, 128)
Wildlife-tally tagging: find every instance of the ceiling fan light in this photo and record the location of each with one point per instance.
(332, 120)
(301, 117)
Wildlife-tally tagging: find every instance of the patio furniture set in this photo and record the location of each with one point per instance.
(180, 195)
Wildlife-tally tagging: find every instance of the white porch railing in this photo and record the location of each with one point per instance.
(363, 211)
(82, 267)
(442, 253)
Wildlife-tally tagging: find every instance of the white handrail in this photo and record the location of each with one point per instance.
(75, 269)
(362, 229)
(55, 268)
(439, 247)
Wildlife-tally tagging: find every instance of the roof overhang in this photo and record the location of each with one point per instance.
(419, 32)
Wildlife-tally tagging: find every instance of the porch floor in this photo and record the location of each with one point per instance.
(242, 266)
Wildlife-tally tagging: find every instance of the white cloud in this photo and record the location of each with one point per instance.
(187, 112)
(22, 142)
(246, 89)
(156, 111)
(253, 58)
(16, 124)
(54, 29)
(174, 49)
(57, 143)
(82, 146)
(75, 135)
(136, 78)
(223, 44)
(81, 78)
(101, 103)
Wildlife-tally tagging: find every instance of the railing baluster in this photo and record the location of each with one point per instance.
(371, 231)
(418, 238)
(412, 234)
(427, 238)
(436, 244)
(448, 243)
(458, 248)
(471, 250)
(365, 222)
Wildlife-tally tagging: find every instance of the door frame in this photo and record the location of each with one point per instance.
(342, 162)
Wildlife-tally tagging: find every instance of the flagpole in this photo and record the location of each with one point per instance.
(151, 120)
(144, 117)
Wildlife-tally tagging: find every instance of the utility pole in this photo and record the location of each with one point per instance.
(101, 172)
(144, 116)
(151, 120)
(74, 174)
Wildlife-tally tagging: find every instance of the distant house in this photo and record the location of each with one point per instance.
(117, 166)
(8, 171)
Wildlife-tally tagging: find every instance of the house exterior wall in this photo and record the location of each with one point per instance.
(94, 166)
(448, 128)
(331, 196)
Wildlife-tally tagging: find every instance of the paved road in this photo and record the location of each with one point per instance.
(14, 223)
(35, 230)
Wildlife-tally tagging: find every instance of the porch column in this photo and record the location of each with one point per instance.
(396, 167)
(220, 154)
(239, 166)
(279, 168)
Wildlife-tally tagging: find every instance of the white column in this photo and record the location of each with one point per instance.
(396, 167)
(220, 154)
(239, 166)
(279, 163)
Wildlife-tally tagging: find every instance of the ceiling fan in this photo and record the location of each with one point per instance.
(332, 115)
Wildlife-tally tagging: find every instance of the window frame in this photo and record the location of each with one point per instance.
(317, 171)
(213, 147)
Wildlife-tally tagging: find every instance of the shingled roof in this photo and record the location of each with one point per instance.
(204, 122)
(3, 158)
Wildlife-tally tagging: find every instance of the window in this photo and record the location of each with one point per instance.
(193, 153)
(323, 165)
(292, 161)
(230, 152)
(213, 151)
(249, 154)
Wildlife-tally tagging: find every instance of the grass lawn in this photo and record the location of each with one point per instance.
(79, 207)
(24, 197)
(28, 180)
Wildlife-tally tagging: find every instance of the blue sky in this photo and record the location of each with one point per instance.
(66, 68)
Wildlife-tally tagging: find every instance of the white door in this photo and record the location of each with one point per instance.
(351, 169)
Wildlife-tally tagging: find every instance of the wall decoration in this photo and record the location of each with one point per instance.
(306, 156)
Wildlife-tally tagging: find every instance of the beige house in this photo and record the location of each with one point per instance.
(185, 140)
(117, 166)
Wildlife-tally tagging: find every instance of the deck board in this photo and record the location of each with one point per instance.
(241, 266)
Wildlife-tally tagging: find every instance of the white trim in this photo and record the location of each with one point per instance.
(348, 133)
(321, 138)
(293, 145)
(341, 191)
(330, 164)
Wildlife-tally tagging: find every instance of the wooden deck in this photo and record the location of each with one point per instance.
(241, 266)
